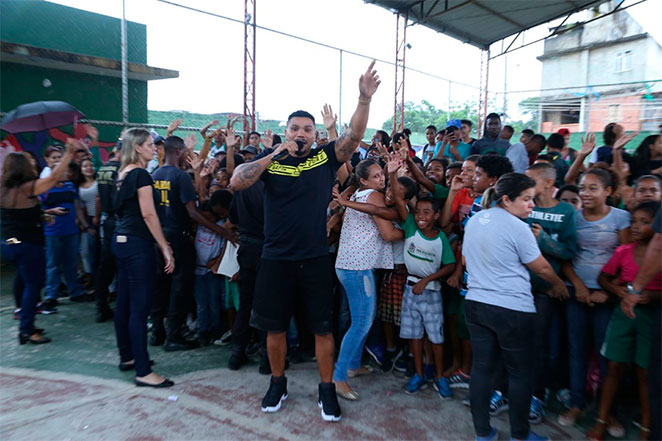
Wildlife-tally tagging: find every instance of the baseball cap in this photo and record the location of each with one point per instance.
(156, 138)
(563, 131)
(250, 149)
(455, 123)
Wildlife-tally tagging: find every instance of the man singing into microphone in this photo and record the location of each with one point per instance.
(296, 270)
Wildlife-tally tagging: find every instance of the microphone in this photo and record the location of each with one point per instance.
(285, 153)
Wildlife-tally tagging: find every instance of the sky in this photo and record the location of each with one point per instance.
(291, 74)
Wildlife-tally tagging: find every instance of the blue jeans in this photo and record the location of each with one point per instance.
(88, 250)
(361, 292)
(208, 297)
(31, 266)
(62, 250)
(584, 320)
(136, 274)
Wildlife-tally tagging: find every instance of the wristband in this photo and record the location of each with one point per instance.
(364, 100)
(630, 289)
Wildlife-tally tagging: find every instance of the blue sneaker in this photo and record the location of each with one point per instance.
(533, 437)
(415, 384)
(536, 411)
(441, 385)
(376, 352)
(429, 373)
(498, 404)
(491, 437)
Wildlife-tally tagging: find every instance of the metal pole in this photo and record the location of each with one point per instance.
(340, 95)
(487, 82)
(125, 73)
(449, 102)
(505, 87)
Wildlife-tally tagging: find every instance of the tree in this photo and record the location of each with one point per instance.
(529, 109)
(419, 116)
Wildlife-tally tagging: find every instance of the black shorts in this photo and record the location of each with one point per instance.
(283, 287)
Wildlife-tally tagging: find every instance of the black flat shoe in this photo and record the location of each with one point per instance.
(164, 383)
(130, 365)
(27, 338)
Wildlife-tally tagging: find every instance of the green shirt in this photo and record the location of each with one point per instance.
(425, 255)
(557, 240)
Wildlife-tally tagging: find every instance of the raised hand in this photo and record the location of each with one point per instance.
(337, 197)
(588, 144)
(457, 183)
(203, 131)
(190, 141)
(174, 125)
(194, 162)
(369, 82)
(268, 139)
(231, 139)
(624, 139)
(329, 117)
(92, 132)
(394, 163)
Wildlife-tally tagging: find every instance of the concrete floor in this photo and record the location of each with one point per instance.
(71, 389)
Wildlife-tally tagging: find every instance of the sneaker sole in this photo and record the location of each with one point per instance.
(328, 418)
(499, 411)
(459, 385)
(537, 420)
(276, 408)
(443, 398)
(373, 356)
(416, 391)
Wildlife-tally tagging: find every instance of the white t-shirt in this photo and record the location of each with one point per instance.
(89, 197)
(208, 245)
(425, 255)
(46, 172)
(497, 247)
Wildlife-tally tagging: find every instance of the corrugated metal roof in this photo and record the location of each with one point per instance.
(483, 22)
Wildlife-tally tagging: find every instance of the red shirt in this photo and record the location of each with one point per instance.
(461, 206)
(623, 261)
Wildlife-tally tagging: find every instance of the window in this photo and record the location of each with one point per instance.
(623, 61)
(614, 112)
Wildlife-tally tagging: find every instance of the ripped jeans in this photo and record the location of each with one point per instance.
(361, 292)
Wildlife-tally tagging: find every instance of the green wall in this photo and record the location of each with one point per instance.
(48, 25)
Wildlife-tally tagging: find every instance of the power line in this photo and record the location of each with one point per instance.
(328, 46)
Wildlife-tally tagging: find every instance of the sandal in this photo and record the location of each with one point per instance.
(644, 432)
(570, 417)
(615, 429)
(595, 434)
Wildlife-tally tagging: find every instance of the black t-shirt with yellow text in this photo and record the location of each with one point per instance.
(174, 189)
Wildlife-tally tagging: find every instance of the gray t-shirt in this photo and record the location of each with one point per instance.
(497, 246)
(597, 242)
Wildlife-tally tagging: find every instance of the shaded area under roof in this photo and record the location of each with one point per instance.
(483, 22)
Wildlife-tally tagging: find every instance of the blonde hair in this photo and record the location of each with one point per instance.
(131, 138)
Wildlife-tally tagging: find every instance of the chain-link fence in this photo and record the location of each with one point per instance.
(186, 60)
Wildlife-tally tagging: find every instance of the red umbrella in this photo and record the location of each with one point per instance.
(40, 115)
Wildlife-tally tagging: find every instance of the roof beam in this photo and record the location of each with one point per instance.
(498, 14)
(444, 11)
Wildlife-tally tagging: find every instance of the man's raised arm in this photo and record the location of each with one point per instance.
(249, 173)
(347, 142)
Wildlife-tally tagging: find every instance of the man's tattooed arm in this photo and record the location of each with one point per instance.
(347, 142)
(249, 173)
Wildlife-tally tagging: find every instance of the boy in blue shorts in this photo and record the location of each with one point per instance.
(428, 257)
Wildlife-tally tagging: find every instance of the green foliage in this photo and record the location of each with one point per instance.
(419, 116)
